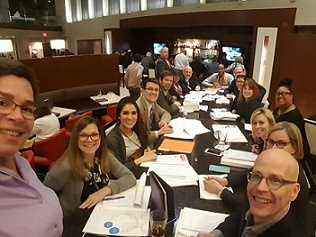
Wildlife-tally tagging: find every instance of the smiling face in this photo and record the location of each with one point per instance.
(260, 126)
(247, 92)
(151, 92)
(267, 204)
(187, 73)
(128, 116)
(89, 147)
(284, 98)
(166, 82)
(281, 135)
(14, 128)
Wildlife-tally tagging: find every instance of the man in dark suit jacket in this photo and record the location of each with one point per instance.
(162, 62)
(154, 117)
(165, 100)
(272, 186)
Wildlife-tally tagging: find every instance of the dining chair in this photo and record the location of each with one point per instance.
(110, 114)
(71, 122)
(29, 155)
(47, 151)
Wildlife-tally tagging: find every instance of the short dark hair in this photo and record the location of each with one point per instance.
(144, 83)
(176, 72)
(165, 73)
(137, 58)
(16, 68)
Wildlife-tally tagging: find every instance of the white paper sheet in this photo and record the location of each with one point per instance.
(186, 128)
(205, 194)
(194, 221)
(122, 221)
(233, 132)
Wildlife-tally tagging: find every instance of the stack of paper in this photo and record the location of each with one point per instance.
(226, 115)
(123, 214)
(186, 128)
(237, 158)
(194, 221)
(205, 194)
(174, 170)
(233, 132)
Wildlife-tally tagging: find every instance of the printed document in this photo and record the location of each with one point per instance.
(194, 221)
(233, 132)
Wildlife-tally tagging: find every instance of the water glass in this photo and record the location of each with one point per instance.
(158, 221)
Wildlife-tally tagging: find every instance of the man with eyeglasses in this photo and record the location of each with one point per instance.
(154, 117)
(27, 207)
(272, 186)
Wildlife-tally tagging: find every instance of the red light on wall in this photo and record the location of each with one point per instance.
(44, 34)
(97, 42)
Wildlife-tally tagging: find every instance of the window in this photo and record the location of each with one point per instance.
(155, 4)
(114, 7)
(132, 6)
(184, 2)
(98, 8)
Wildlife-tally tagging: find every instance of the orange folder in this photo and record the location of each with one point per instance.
(176, 145)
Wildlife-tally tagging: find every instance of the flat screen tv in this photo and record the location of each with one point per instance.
(158, 47)
(232, 52)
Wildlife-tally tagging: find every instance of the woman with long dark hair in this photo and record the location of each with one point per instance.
(128, 140)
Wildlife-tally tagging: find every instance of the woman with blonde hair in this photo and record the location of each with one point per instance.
(80, 177)
(262, 121)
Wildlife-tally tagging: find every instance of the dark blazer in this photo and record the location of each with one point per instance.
(162, 65)
(289, 226)
(167, 102)
(246, 109)
(116, 144)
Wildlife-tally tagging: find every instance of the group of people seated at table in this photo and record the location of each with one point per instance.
(83, 176)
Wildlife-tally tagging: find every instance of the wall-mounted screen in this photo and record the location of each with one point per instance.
(158, 47)
(232, 52)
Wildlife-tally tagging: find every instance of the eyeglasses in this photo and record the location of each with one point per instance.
(273, 182)
(282, 93)
(7, 106)
(152, 89)
(280, 144)
(94, 137)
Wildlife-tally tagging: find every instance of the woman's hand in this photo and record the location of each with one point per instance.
(149, 155)
(255, 149)
(95, 197)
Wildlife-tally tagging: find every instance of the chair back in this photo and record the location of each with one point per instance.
(110, 114)
(71, 122)
(29, 155)
(51, 149)
(310, 128)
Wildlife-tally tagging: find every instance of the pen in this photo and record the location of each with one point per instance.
(113, 198)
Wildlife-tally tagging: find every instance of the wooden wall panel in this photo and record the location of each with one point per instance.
(297, 61)
(66, 72)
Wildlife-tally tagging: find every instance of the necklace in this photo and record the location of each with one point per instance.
(129, 138)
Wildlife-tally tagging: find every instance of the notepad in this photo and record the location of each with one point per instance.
(176, 145)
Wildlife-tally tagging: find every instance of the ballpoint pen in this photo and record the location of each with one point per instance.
(113, 198)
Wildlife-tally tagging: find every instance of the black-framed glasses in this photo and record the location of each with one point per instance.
(273, 182)
(94, 137)
(152, 89)
(280, 144)
(282, 93)
(7, 106)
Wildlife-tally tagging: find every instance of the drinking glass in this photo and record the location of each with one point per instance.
(221, 137)
(99, 94)
(158, 221)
